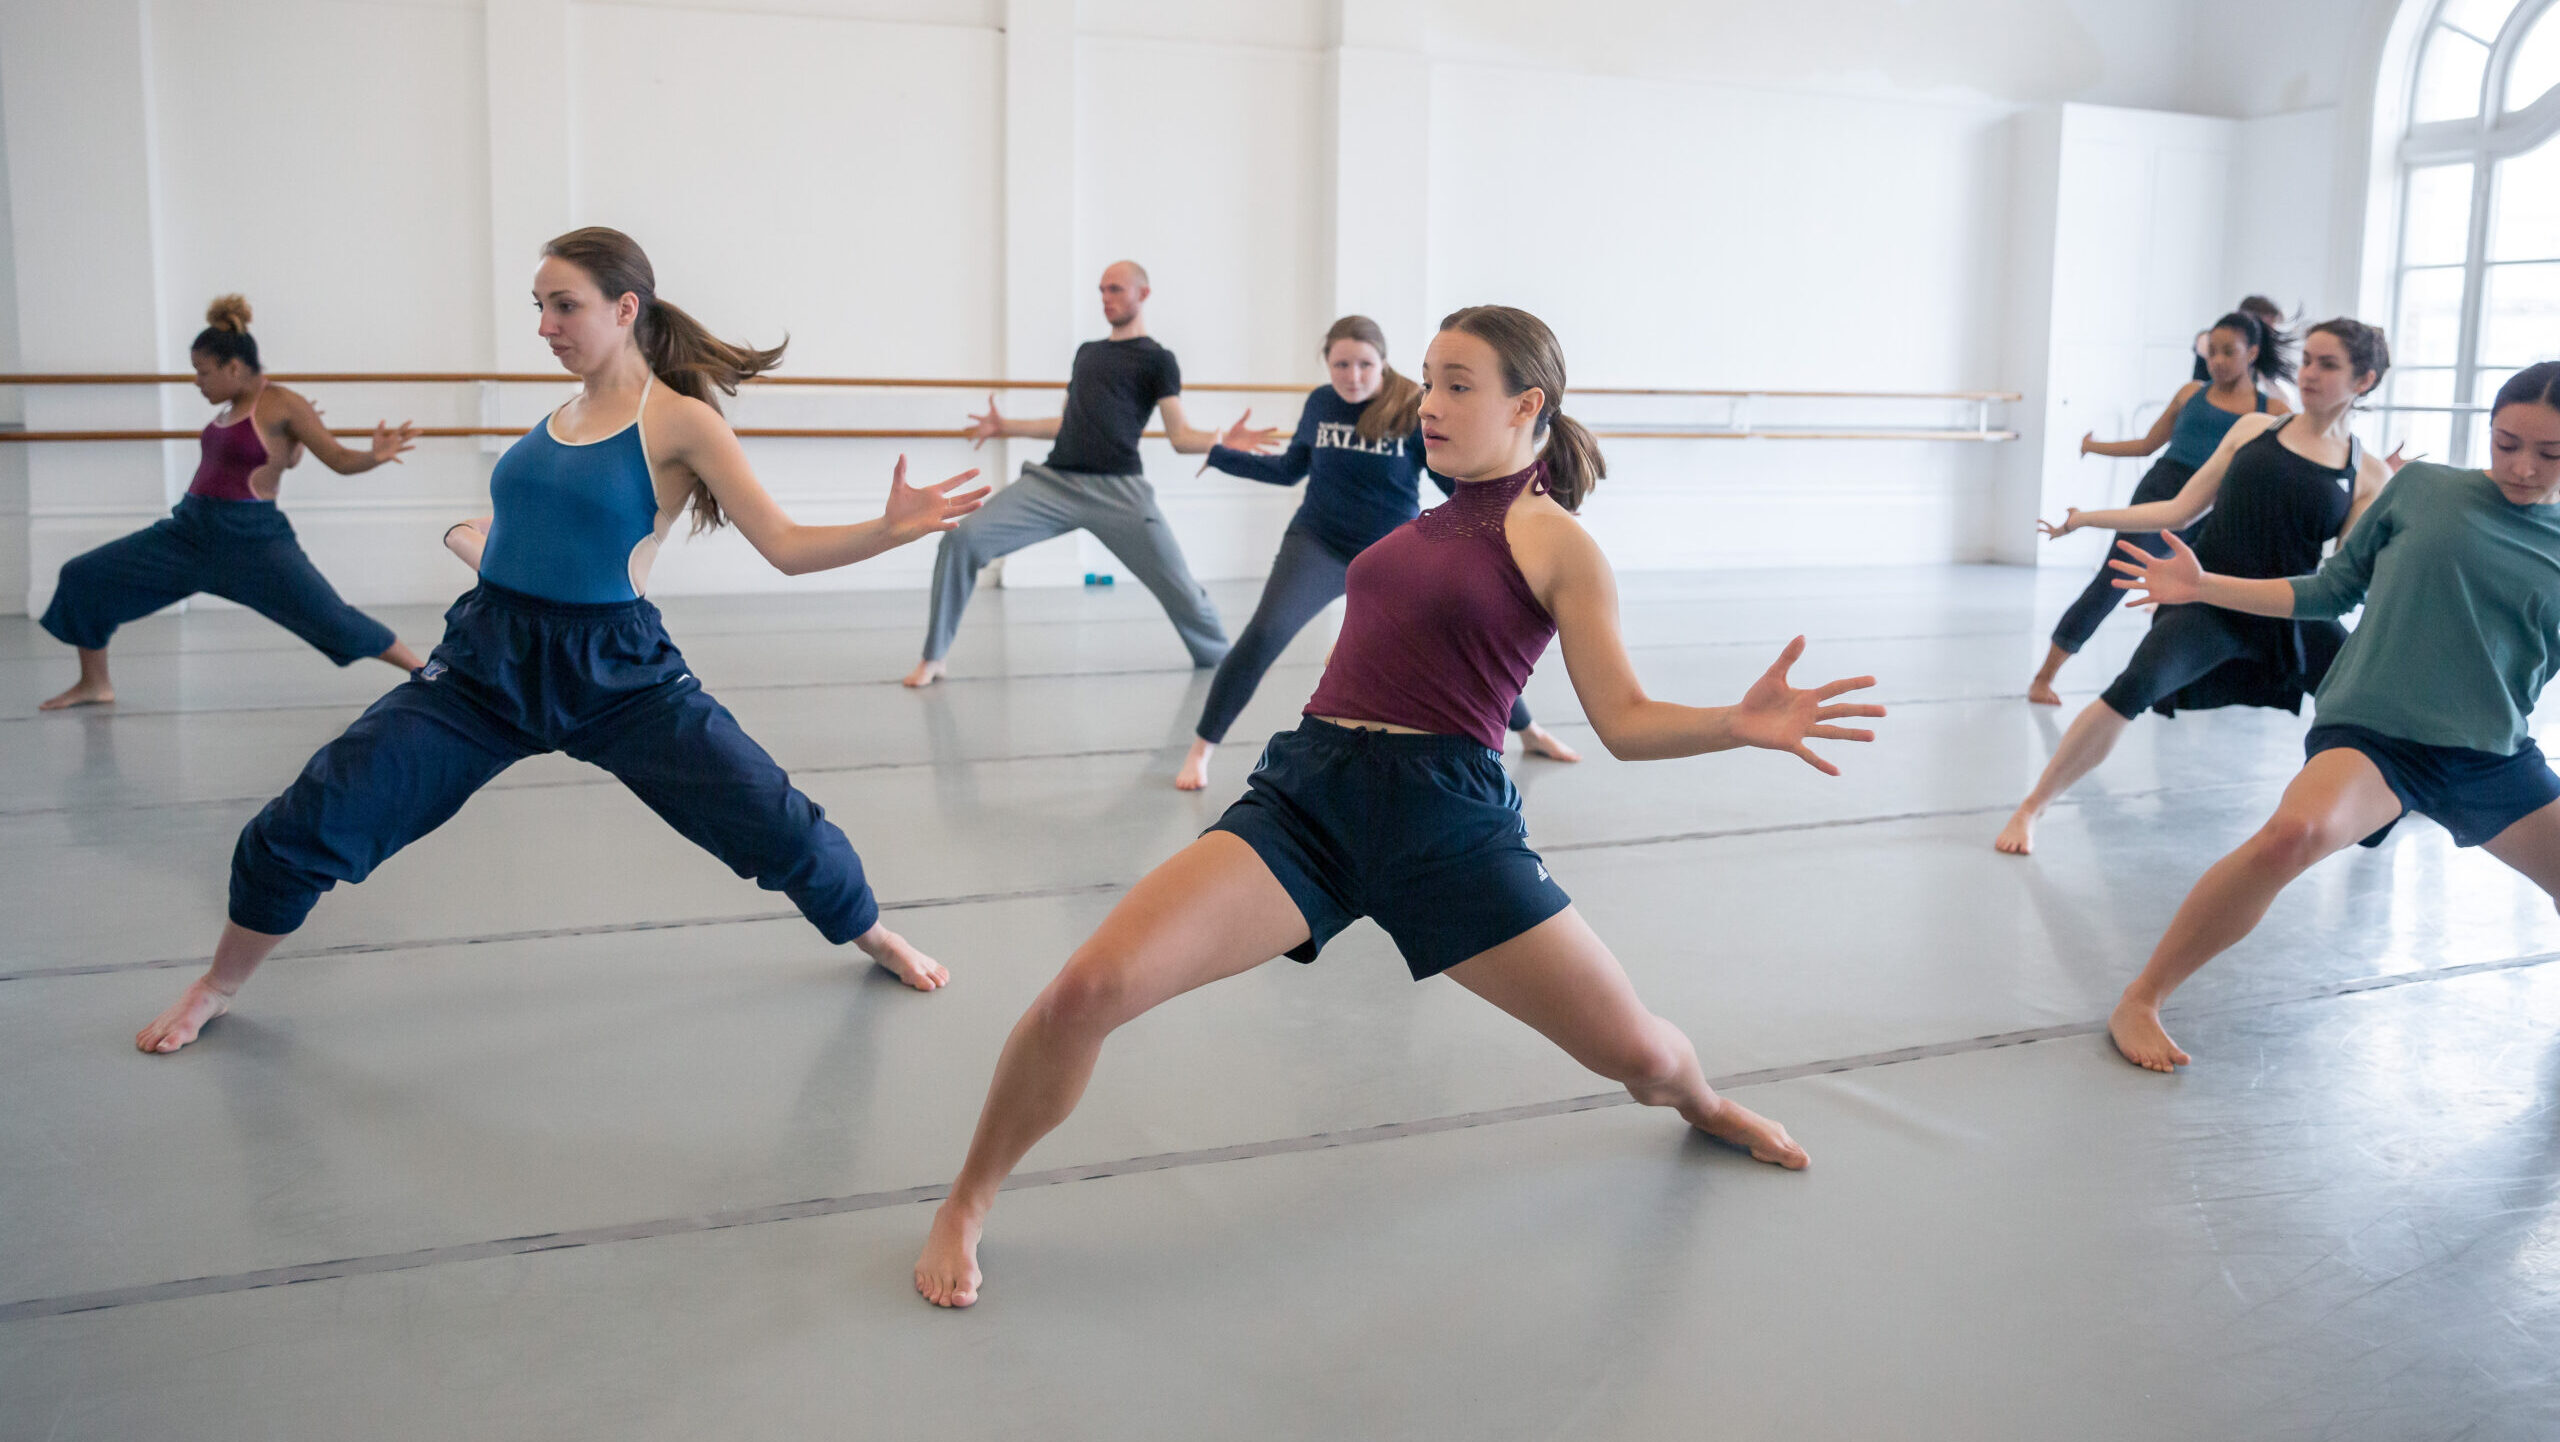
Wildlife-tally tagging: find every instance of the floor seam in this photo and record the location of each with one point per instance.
(378, 1264)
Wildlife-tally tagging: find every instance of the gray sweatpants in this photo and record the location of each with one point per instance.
(1119, 510)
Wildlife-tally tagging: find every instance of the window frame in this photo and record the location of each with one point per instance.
(2484, 139)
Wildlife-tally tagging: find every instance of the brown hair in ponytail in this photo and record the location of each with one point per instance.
(1395, 410)
(1531, 357)
(684, 356)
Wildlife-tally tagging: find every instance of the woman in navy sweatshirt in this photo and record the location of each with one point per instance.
(1359, 448)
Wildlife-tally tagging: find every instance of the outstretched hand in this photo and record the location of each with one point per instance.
(2397, 458)
(982, 429)
(914, 512)
(2171, 580)
(2070, 523)
(1775, 716)
(389, 442)
(1241, 437)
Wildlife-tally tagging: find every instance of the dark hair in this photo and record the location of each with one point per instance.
(1392, 410)
(2274, 347)
(225, 336)
(1531, 357)
(2367, 352)
(2537, 384)
(681, 353)
(2269, 315)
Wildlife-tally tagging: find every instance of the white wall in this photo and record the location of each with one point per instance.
(1823, 194)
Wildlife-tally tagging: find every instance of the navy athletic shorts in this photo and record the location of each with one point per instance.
(2473, 794)
(1423, 833)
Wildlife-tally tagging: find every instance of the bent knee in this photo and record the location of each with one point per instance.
(1092, 994)
(2292, 841)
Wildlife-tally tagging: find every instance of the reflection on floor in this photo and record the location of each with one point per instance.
(559, 1130)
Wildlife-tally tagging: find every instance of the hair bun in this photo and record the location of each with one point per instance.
(228, 312)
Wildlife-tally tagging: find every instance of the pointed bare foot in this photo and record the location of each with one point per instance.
(181, 1024)
(1537, 740)
(1737, 1125)
(2135, 1028)
(947, 1273)
(1194, 775)
(2041, 692)
(925, 674)
(898, 957)
(85, 694)
(2019, 836)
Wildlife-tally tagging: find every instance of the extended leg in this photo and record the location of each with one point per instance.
(689, 762)
(1537, 740)
(1306, 577)
(278, 581)
(405, 766)
(2081, 619)
(1561, 979)
(99, 590)
(1121, 512)
(2181, 647)
(2532, 846)
(2336, 800)
(1032, 509)
(1211, 912)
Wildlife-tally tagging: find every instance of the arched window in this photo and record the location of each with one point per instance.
(2477, 288)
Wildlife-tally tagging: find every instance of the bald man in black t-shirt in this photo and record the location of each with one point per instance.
(1092, 481)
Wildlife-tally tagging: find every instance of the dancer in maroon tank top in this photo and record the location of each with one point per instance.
(1390, 801)
(226, 537)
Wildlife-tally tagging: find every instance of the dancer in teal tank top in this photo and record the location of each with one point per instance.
(556, 650)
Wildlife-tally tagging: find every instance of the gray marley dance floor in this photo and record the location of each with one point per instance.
(556, 1129)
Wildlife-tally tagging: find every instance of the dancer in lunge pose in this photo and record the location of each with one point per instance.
(1092, 481)
(226, 537)
(2246, 358)
(1390, 801)
(2426, 709)
(1359, 450)
(555, 650)
(2279, 489)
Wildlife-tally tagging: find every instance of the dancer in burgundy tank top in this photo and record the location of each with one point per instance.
(1389, 800)
(226, 537)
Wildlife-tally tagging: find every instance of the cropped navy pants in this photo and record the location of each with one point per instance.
(517, 676)
(242, 551)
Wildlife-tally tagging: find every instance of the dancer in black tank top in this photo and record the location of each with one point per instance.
(2279, 489)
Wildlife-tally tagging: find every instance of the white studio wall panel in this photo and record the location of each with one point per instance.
(2141, 214)
(1204, 163)
(1715, 236)
(838, 181)
(2284, 189)
(348, 201)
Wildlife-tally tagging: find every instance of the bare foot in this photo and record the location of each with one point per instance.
(1537, 740)
(85, 694)
(2019, 836)
(1737, 1125)
(898, 957)
(180, 1024)
(947, 1272)
(2135, 1028)
(925, 673)
(1194, 775)
(2041, 692)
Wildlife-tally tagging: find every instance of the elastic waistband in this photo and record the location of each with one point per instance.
(197, 498)
(500, 596)
(1423, 743)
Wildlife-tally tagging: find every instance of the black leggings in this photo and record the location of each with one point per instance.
(1306, 576)
(2080, 620)
(2184, 645)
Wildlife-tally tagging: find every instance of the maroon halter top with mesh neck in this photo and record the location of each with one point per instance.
(1441, 629)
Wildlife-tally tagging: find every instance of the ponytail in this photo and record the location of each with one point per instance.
(2267, 337)
(682, 354)
(1531, 357)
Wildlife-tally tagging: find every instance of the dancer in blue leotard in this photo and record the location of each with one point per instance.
(555, 650)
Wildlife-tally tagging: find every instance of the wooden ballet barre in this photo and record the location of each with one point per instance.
(839, 433)
(926, 383)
